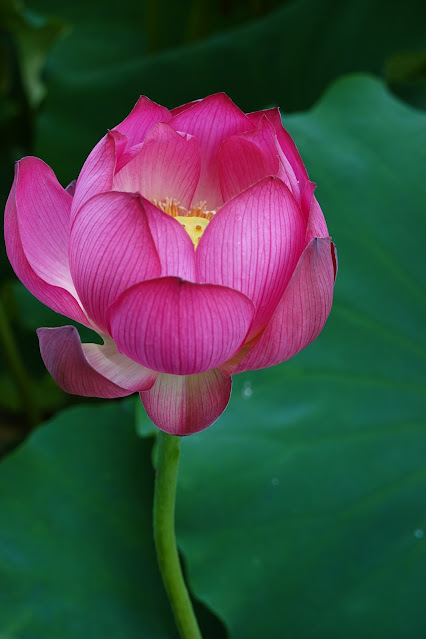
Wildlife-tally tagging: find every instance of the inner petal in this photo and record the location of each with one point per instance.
(168, 163)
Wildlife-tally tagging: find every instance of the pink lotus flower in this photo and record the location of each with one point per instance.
(116, 253)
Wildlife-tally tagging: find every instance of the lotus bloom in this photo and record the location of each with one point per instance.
(192, 243)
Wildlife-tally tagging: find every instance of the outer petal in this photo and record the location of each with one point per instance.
(285, 141)
(317, 226)
(302, 311)
(253, 245)
(246, 158)
(211, 121)
(111, 248)
(186, 404)
(174, 246)
(56, 297)
(97, 173)
(168, 165)
(141, 119)
(43, 211)
(117, 367)
(64, 358)
(179, 327)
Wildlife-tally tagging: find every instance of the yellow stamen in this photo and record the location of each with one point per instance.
(170, 206)
(194, 220)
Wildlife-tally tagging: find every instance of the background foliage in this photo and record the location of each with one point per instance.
(302, 511)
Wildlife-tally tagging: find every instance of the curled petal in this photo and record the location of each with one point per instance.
(141, 119)
(168, 165)
(253, 244)
(111, 248)
(55, 296)
(64, 358)
(117, 367)
(97, 173)
(178, 327)
(185, 404)
(246, 158)
(211, 121)
(174, 246)
(302, 311)
(43, 212)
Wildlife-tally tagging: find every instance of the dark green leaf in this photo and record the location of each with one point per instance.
(76, 551)
(286, 58)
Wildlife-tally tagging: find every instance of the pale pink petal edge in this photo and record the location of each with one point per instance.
(187, 404)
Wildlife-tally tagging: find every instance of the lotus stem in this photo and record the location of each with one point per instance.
(165, 538)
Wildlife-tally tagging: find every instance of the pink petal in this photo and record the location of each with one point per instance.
(126, 156)
(97, 173)
(111, 248)
(285, 141)
(246, 158)
(185, 404)
(56, 297)
(302, 311)
(167, 166)
(141, 119)
(179, 327)
(253, 244)
(106, 360)
(71, 187)
(174, 246)
(317, 226)
(64, 358)
(287, 175)
(266, 137)
(211, 121)
(183, 107)
(43, 212)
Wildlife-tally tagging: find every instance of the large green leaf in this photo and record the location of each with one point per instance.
(302, 512)
(285, 58)
(76, 551)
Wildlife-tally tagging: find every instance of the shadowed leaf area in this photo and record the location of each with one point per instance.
(76, 552)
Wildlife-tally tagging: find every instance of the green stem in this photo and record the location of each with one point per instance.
(165, 538)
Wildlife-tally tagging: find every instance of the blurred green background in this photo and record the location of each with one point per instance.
(302, 511)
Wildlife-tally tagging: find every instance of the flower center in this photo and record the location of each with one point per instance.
(193, 220)
(194, 226)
